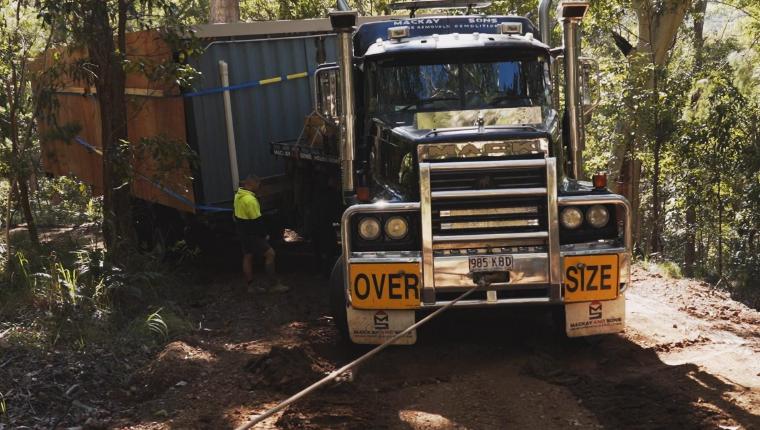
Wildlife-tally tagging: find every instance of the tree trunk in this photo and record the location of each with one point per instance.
(658, 23)
(720, 229)
(223, 11)
(118, 232)
(8, 214)
(15, 89)
(285, 12)
(698, 42)
(689, 255)
(655, 243)
(26, 208)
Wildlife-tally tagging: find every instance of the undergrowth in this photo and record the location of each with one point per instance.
(66, 293)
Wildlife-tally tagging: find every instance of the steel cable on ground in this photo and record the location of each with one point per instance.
(334, 374)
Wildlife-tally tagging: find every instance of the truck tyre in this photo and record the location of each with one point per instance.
(338, 300)
(558, 322)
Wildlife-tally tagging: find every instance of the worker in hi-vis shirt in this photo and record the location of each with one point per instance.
(253, 237)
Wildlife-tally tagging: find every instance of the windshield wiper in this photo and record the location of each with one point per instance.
(423, 102)
(437, 131)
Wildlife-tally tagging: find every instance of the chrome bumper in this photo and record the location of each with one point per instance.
(536, 277)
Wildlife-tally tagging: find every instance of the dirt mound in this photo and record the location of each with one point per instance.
(286, 368)
(176, 365)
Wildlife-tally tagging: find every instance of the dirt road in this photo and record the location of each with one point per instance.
(690, 358)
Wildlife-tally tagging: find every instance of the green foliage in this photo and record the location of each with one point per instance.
(79, 298)
(666, 268)
(695, 126)
(156, 324)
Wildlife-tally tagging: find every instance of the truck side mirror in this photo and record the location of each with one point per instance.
(590, 87)
(326, 92)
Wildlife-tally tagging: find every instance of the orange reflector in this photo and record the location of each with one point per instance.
(600, 180)
(362, 193)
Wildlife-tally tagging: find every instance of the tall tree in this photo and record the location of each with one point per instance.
(100, 27)
(658, 22)
(110, 82)
(222, 11)
(20, 39)
(691, 199)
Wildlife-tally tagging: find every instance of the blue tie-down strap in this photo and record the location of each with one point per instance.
(182, 199)
(250, 84)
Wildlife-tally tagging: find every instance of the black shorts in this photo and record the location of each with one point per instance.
(254, 245)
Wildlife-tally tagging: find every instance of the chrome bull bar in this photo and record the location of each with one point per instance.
(525, 272)
(437, 270)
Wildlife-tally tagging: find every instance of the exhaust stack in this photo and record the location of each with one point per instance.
(544, 21)
(343, 23)
(571, 13)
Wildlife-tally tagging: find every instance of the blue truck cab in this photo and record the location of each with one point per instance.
(461, 171)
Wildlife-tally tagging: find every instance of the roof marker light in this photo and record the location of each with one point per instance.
(600, 181)
(398, 33)
(510, 28)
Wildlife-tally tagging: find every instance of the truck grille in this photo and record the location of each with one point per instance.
(466, 212)
(499, 199)
(489, 178)
(489, 206)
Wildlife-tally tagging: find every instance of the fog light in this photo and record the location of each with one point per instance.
(571, 217)
(369, 228)
(396, 227)
(597, 216)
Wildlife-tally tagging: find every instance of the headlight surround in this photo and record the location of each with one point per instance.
(396, 227)
(571, 217)
(597, 216)
(369, 228)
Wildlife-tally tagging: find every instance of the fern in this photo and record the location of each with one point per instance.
(68, 278)
(156, 324)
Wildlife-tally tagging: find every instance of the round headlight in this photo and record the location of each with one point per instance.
(396, 227)
(597, 216)
(369, 228)
(571, 217)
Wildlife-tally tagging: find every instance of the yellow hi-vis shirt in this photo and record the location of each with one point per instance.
(246, 205)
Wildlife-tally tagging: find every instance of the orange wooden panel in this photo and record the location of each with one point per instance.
(148, 118)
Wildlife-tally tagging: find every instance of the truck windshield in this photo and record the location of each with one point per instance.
(395, 88)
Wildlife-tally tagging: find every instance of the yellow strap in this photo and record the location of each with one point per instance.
(270, 80)
(298, 75)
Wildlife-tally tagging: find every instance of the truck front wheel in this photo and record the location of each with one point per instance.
(338, 299)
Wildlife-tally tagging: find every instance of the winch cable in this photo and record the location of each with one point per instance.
(315, 386)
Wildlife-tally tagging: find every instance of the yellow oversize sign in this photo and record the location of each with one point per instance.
(590, 277)
(385, 286)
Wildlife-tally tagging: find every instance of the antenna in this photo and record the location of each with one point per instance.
(415, 5)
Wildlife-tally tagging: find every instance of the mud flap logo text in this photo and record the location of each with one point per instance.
(381, 321)
(595, 310)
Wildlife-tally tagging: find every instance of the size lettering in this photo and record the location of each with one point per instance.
(588, 277)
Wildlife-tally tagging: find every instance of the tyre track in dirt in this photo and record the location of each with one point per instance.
(499, 369)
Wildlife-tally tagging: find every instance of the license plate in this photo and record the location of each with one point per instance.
(590, 277)
(385, 286)
(490, 263)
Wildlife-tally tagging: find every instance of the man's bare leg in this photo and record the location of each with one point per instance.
(248, 274)
(275, 286)
(248, 267)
